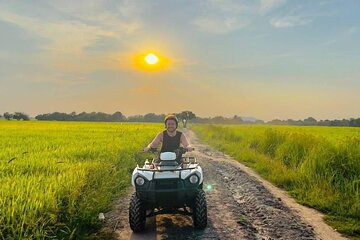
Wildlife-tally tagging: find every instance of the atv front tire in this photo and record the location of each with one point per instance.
(200, 210)
(137, 214)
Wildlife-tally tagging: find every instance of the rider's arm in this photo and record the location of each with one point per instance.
(184, 141)
(157, 140)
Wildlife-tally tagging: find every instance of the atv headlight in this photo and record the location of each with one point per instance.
(194, 179)
(139, 181)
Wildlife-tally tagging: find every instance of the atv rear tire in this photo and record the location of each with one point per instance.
(200, 210)
(137, 214)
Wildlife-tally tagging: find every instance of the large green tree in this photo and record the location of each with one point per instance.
(8, 116)
(185, 116)
(19, 115)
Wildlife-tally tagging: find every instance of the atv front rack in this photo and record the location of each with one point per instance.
(165, 170)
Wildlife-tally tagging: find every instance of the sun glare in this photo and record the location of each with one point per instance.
(151, 58)
(150, 61)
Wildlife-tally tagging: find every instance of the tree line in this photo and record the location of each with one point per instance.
(115, 117)
(16, 116)
(184, 117)
(83, 116)
(310, 121)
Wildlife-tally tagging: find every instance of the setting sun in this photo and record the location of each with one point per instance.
(151, 61)
(151, 58)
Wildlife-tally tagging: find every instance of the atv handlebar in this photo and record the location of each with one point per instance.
(153, 150)
(180, 150)
(183, 150)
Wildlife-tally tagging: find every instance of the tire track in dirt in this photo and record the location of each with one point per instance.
(312, 218)
(255, 210)
(239, 207)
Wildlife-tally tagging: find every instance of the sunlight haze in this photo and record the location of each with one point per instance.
(266, 59)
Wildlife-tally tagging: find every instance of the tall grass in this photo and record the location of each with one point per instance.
(320, 166)
(55, 178)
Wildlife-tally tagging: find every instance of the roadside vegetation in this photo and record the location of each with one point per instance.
(55, 178)
(319, 166)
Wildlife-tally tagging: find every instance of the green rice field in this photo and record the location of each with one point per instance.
(56, 177)
(319, 166)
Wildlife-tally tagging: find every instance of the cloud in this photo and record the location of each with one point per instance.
(76, 24)
(268, 5)
(222, 16)
(16, 42)
(70, 31)
(219, 25)
(300, 14)
(340, 37)
(104, 44)
(65, 40)
(120, 16)
(289, 21)
(232, 6)
(78, 30)
(352, 30)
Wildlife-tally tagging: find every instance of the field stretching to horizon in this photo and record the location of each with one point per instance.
(56, 177)
(319, 166)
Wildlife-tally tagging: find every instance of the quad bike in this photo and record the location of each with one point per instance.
(169, 184)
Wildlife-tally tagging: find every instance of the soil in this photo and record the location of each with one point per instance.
(241, 205)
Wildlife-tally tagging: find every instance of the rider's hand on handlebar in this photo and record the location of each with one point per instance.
(189, 149)
(150, 149)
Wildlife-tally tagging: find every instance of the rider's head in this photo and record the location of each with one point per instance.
(171, 122)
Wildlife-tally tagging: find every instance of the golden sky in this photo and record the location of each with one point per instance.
(267, 59)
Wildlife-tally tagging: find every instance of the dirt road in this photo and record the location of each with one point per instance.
(241, 205)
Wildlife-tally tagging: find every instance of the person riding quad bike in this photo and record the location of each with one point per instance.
(170, 138)
(170, 183)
